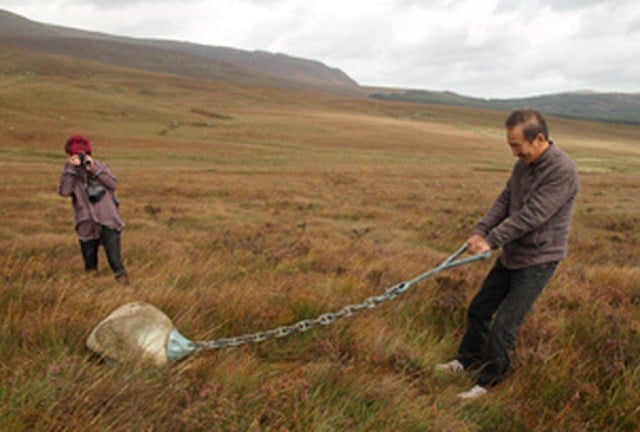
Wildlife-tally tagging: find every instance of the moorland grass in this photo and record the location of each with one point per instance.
(284, 206)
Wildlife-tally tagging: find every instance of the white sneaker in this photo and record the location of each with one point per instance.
(454, 366)
(475, 392)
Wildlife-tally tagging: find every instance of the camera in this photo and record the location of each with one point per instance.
(83, 160)
(95, 192)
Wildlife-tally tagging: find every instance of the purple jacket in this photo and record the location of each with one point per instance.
(89, 217)
(531, 217)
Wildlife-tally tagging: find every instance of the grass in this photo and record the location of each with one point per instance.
(284, 206)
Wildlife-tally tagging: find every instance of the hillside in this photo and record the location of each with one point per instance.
(295, 69)
(613, 107)
(263, 69)
(179, 58)
(248, 208)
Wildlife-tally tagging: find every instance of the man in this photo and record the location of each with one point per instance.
(530, 221)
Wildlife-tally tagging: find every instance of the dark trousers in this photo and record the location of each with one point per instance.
(110, 240)
(509, 295)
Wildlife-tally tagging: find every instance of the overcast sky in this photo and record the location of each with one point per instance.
(485, 48)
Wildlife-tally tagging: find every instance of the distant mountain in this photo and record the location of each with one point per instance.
(280, 65)
(263, 69)
(256, 68)
(613, 107)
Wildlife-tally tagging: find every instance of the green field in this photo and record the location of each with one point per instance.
(250, 208)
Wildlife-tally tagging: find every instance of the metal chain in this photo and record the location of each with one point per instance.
(347, 311)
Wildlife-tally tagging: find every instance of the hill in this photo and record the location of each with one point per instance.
(248, 208)
(179, 58)
(613, 107)
(263, 69)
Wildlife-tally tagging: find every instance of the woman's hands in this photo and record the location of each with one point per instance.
(77, 160)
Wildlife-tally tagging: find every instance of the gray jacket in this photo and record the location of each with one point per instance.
(531, 217)
(90, 217)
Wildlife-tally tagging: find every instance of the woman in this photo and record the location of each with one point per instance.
(91, 186)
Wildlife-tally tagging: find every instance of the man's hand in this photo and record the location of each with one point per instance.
(476, 244)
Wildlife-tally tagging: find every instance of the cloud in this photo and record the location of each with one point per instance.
(116, 4)
(573, 5)
(633, 26)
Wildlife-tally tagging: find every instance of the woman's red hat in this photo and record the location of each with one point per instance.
(77, 144)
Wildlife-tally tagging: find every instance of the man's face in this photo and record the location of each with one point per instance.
(527, 152)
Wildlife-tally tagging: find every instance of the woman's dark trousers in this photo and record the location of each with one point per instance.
(110, 240)
(506, 296)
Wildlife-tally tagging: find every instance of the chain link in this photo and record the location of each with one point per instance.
(347, 311)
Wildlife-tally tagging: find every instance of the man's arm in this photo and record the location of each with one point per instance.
(477, 243)
(496, 214)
